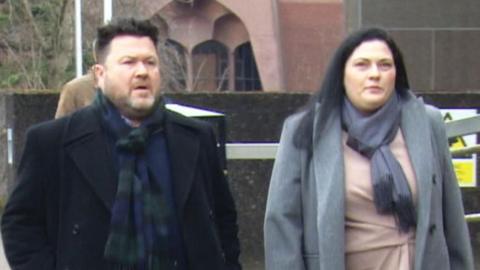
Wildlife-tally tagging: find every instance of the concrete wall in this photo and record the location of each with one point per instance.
(439, 38)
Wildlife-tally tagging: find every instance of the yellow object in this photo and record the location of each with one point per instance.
(464, 169)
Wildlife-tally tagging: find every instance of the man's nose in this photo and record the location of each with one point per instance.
(141, 69)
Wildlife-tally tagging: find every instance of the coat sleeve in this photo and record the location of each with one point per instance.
(225, 211)
(455, 227)
(23, 225)
(283, 227)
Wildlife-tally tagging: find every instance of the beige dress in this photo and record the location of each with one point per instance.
(373, 241)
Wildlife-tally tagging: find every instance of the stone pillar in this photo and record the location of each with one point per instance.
(189, 61)
(231, 70)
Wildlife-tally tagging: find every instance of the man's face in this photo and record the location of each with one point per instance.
(129, 76)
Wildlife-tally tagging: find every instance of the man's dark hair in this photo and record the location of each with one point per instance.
(332, 90)
(120, 27)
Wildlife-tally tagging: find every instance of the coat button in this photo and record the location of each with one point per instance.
(76, 229)
(175, 264)
(434, 179)
(210, 213)
(432, 228)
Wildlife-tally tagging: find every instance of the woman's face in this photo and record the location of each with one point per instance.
(369, 76)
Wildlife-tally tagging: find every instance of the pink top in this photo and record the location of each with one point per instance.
(373, 241)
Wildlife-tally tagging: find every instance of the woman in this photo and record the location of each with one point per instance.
(363, 177)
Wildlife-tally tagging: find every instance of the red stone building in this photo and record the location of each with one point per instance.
(248, 45)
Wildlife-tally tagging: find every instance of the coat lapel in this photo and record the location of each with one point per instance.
(88, 147)
(416, 130)
(183, 147)
(329, 178)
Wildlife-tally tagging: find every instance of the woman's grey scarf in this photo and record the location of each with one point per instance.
(370, 135)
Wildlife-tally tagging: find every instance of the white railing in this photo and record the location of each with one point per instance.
(454, 128)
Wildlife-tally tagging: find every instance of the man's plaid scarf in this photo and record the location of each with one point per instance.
(139, 221)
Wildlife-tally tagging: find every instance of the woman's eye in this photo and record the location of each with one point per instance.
(385, 65)
(361, 64)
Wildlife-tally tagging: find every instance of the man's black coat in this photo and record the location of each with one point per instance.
(58, 215)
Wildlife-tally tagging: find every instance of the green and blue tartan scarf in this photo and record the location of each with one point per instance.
(138, 236)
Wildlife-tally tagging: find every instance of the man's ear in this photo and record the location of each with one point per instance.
(99, 73)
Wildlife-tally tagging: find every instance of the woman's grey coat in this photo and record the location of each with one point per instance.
(304, 223)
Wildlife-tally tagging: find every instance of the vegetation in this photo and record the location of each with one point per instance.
(36, 43)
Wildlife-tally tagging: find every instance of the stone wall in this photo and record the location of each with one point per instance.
(250, 117)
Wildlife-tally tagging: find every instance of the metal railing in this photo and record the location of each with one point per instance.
(454, 128)
(462, 127)
(472, 217)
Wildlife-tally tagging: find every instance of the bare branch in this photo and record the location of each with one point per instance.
(223, 79)
(62, 12)
(18, 61)
(31, 20)
(196, 78)
(59, 23)
(10, 10)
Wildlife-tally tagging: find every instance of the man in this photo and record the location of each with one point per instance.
(76, 94)
(122, 183)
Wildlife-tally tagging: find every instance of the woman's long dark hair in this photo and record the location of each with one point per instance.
(332, 90)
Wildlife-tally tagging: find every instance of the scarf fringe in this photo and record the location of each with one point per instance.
(383, 194)
(406, 213)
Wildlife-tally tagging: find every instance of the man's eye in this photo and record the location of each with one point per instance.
(127, 62)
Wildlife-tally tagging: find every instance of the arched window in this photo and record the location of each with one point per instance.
(174, 66)
(246, 72)
(210, 62)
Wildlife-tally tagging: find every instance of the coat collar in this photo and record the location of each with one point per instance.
(90, 152)
(327, 161)
(328, 165)
(416, 129)
(88, 147)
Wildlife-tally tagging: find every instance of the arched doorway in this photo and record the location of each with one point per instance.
(246, 72)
